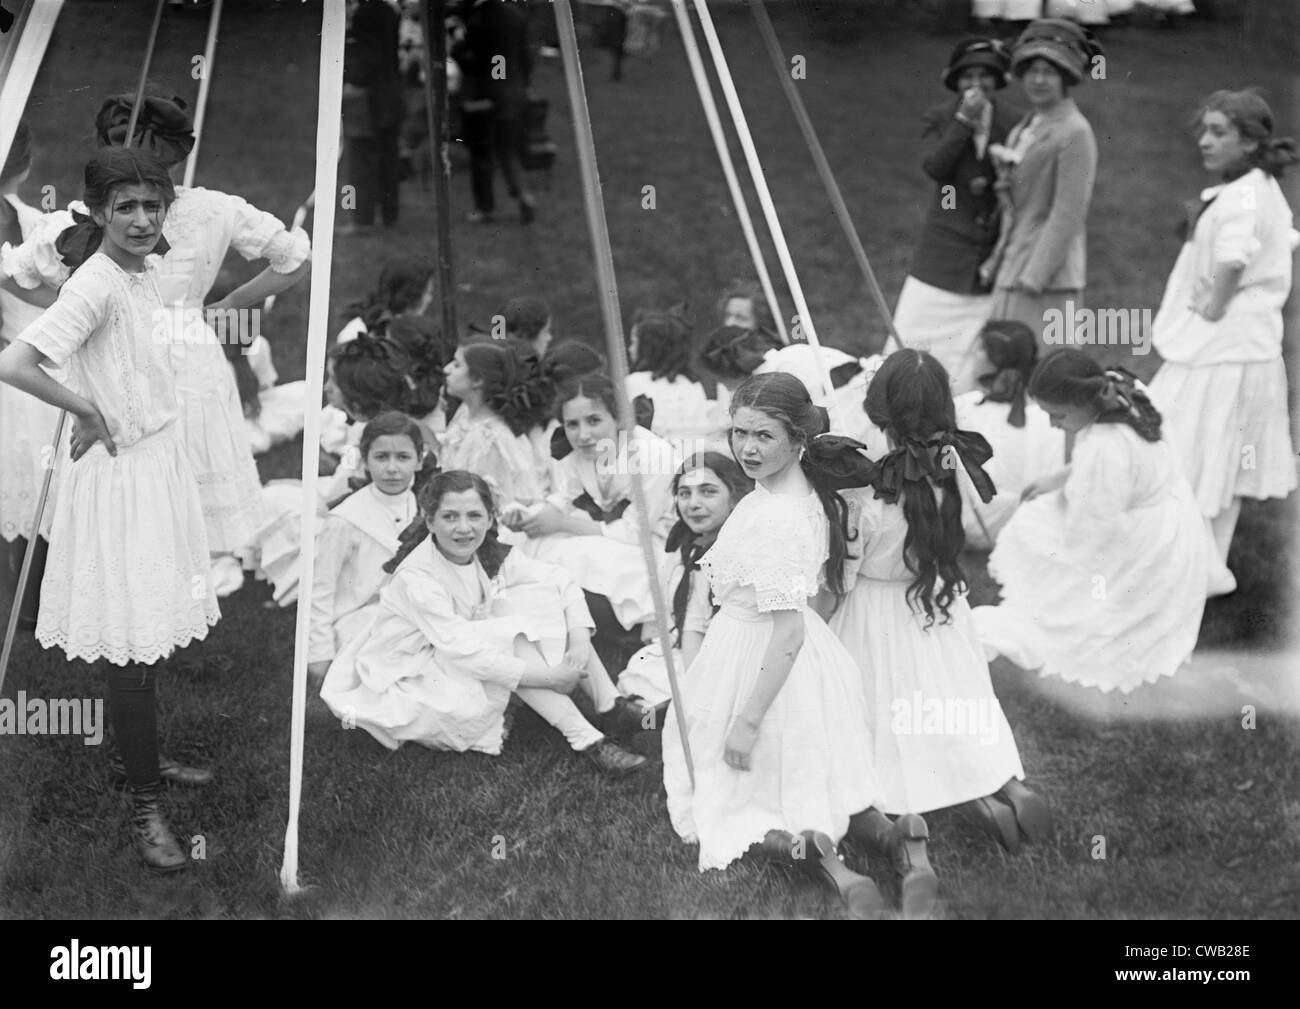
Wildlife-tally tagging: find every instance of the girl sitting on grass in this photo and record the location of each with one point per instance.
(465, 623)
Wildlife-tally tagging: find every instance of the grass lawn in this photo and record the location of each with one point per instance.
(1201, 818)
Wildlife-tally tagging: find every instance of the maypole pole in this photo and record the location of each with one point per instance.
(433, 14)
(608, 285)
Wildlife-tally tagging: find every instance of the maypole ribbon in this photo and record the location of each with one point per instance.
(728, 166)
(769, 208)
(329, 111)
(841, 209)
(604, 258)
(205, 82)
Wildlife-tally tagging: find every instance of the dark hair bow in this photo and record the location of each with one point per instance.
(841, 461)
(1006, 386)
(79, 242)
(936, 458)
(162, 129)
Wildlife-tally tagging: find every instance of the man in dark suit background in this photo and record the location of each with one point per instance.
(497, 62)
(943, 303)
(373, 109)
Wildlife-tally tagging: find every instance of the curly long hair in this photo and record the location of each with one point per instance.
(910, 400)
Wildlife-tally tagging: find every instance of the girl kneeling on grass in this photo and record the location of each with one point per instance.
(906, 620)
(127, 581)
(361, 535)
(774, 707)
(1106, 565)
(466, 622)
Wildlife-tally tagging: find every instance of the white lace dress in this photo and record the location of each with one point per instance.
(201, 226)
(26, 423)
(811, 766)
(127, 577)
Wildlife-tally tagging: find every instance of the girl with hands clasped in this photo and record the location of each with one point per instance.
(774, 706)
(1222, 387)
(127, 579)
(466, 622)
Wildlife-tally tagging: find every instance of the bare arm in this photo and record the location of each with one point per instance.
(261, 287)
(782, 650)
(20, 366)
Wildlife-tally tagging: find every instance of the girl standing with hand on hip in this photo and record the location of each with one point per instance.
(127, 580)
(1222, 388)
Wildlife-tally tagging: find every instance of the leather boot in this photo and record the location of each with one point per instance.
(1032, 814)
(153, 838)
(859, 894)
(920, 886)
(613, 759)
(997, 819)
(170, 771)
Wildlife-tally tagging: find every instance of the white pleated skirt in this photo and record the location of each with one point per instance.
(1229, 425)
(127, 578)
(944, 325)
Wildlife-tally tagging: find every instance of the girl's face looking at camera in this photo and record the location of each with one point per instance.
(392, 462)
(761, 444)
(132, 221)
(588, 424)
(1223, 151)
(740, 312)
(459, 525)
(703, 500)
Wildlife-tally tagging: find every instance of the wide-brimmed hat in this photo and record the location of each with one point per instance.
(1062, 43)
(977, 52)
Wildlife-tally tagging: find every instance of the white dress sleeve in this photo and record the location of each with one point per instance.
(699, 605)
(81, 308)
(772, 548)
(654, 459)
(863, 520)
(1236, 240)
(428, 606)
(259, 235)
(334, 546)
(36, 260)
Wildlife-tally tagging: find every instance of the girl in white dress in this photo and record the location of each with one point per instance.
(1025, 445)
(1222, 388)
(1105, 567)
(706, 489)
(940, 737)
(27, 423)
(465, 622)
(589, 524)
(361, 535)
(774, 708)
(660, 349)
(127, 581)
(487, 434)
(202, 226)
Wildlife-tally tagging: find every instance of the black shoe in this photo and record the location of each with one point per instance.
(169, 770)
(153, 838)
(625, 719)
(1032, 814)
(613, 759)
(860, 895)
(996, 819)
(919, 884)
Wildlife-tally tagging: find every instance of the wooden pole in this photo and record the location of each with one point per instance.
(433, 16)
(608, 285)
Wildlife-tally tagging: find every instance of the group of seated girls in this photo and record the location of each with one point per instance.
(483, 537)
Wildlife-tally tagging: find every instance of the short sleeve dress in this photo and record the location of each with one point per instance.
(811, 766)
(127, 577)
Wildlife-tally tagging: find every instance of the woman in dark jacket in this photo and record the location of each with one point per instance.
(943, 303)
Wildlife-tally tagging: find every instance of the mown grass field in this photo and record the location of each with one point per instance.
(1200, 816)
